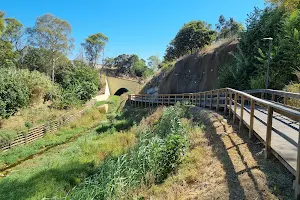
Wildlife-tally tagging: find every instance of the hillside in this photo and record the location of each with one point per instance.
(194, 73)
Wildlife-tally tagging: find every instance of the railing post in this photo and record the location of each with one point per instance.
(251, 118)
(269, 131)
(225, 108)
(273, 97)
(199, 99)
(285, 100)
(242, 111)
(175, 99)
(211, 99)
(218, 100)
(262, 95)
(235, 105)
(297, 181)
(204, 99)
(230, 103)
(168, 100)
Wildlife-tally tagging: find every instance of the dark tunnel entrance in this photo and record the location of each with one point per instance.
(121, 91)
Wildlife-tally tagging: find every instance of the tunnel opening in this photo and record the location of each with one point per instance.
(121, 91)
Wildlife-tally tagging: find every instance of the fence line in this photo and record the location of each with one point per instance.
(40, 131)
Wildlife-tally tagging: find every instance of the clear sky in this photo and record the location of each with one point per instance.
(142, 27)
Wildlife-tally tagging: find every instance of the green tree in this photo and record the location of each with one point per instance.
(227, 29)
(290, 5)
(13, 32)
(52, 34)
(153, 62)
(191, 37)
(7, 55)
(93, 46)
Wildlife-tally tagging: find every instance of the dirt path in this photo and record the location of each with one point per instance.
(225, 164)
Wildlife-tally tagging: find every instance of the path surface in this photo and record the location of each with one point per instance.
(284, 133)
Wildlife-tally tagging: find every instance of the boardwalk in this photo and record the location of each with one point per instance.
(275, 124)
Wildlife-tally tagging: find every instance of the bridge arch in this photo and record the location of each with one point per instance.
(120, 85)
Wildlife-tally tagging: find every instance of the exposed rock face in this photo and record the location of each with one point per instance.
(197, 72)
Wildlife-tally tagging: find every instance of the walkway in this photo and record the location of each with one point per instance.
(274, 124)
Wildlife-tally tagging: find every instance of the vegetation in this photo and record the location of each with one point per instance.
(157, 153)
(228, 29)
(248, 69)
(93, 46)
(52, 34)
(131, 65)
(192, 36)
(25, 68)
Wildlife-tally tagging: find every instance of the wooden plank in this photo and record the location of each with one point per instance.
(242, 111)
(225, 108)
(297, 181)
(235, 104)
(251, 118)
(269, 131)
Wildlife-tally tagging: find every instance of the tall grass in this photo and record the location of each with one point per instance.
(158, 152)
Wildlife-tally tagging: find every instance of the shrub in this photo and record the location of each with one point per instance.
(18, 88)
(293, 87)
(80, 80)
(14, 94)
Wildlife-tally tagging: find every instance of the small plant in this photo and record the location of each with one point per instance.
(28, 125)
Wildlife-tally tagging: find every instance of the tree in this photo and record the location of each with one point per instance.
(13, 32)
(7, 55)
(153, 62)
(93, 46)
(192, 36)
(52, 34)
(290, 5)
(227, 29)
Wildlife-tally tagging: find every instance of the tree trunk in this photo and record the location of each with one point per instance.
(53, 66)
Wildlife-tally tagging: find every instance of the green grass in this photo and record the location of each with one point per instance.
(56, 172)
(84, 123)
(158, 151)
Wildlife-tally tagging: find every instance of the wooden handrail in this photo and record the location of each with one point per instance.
(275, 92)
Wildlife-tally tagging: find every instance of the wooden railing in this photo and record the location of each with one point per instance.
(275, 95)
(229, 99)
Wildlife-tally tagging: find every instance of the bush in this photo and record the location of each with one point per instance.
(293, 87)
(18, 88)
(82, 81)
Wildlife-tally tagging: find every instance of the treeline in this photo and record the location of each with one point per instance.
(278, 24)
(195, 35)
(34, 66)
(132, 65)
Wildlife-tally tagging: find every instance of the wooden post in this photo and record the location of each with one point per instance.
(225, 108)
(204, 99)
(262, 95)
(251, 118)
(297, 181)
(273, 97)
(168, 100)
(242, 111)
(235, 105)
(218, 100)
(230, 103)
(285, 100)
(269, 131)
(175, 99)
(211, 99)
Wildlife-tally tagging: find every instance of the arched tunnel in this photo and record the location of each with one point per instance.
(121, 91)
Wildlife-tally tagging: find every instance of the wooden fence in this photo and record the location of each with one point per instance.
(39, 131)
(230, 99)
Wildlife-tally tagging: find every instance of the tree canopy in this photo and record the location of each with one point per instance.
(52, 34)
(191, 37)
(93, 46)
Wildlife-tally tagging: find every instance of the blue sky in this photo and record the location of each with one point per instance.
(132, 26)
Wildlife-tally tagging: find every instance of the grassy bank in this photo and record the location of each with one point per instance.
(161, 142)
